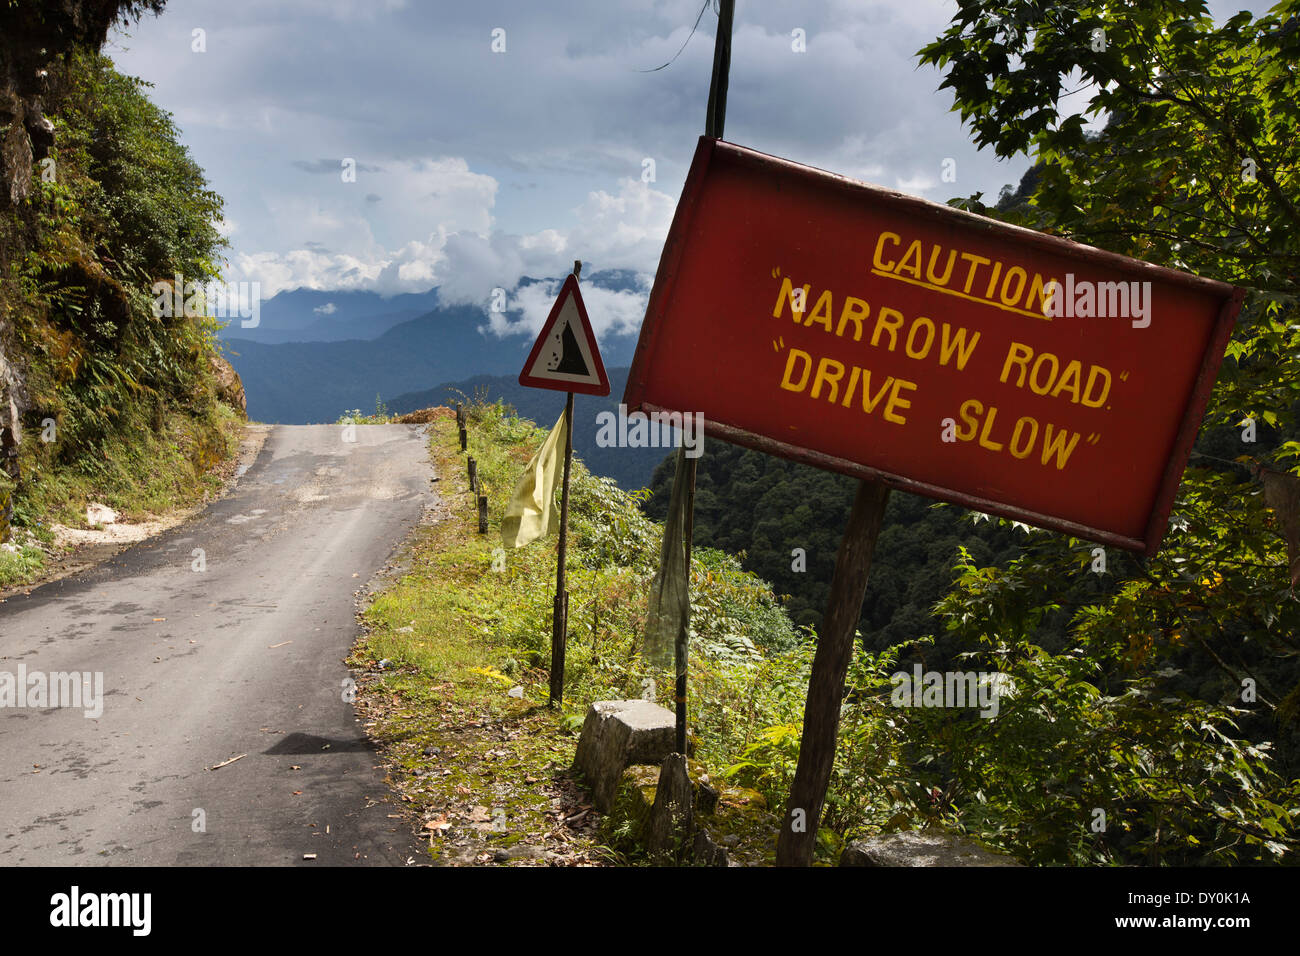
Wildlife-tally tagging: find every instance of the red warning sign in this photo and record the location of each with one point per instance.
(946, 354)
(565, 356)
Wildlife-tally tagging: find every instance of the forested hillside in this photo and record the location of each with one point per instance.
(1139, 682)
(99, 397)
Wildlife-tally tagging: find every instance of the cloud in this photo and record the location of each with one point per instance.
(329, 308)
(476, 169)
(610, 311)
(618, 230)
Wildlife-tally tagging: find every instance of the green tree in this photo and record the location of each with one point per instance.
(1184, 675)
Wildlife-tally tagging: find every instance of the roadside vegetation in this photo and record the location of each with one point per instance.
(455, 666)
(117, 406)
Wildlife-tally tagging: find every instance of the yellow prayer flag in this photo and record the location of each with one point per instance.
(532, 512)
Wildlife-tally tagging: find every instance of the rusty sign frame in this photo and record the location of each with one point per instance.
(710, 151)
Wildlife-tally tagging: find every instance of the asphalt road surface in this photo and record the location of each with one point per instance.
(242, 657)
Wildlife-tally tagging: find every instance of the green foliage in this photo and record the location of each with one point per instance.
(763, 508)
(1095, 728)
(126, 207)
(1145, 715)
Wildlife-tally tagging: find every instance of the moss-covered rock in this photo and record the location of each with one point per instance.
(624, 826)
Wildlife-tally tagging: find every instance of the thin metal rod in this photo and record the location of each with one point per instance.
(560, 624)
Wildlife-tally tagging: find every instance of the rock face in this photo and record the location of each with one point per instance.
(921, 848)
(13, 402)
(230, 389)
(32, 35)
(617, 734)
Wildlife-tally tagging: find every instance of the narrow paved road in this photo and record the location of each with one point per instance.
(244, 657)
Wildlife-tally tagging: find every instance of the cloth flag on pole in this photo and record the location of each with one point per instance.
(532, 513)
(670, 601)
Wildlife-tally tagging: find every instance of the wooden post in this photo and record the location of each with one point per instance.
(482, 514)
(716, 116)
(464, 438)
(460, 415)
(560, 617)
(680, 648)
(821, 716)
(473, 477)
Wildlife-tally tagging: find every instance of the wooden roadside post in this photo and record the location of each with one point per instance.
(714, 122)
(821, 716)
(473, 476)
(681, 647)
(482, 514)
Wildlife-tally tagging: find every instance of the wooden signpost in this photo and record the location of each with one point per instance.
(919, 347)
(565, 358)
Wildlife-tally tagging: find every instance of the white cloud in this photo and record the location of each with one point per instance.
(610, 311)
(623, 230)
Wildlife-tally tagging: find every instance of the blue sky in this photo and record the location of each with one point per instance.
(475, 167)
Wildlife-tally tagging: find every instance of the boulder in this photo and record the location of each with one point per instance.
(230, 389)
(669, 830)
(100, 514)
(708, 853)
(921, 848)
(617, 734)
(624, 826)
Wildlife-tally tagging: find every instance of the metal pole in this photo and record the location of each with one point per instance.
(560, 616)
(559, 630)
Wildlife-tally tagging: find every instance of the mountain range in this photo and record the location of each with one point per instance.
(316, 355)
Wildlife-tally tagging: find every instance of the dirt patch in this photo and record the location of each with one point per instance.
(77, 549)
(423, 416)
(483, 789)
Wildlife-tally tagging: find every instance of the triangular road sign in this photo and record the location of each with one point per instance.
(565, 356)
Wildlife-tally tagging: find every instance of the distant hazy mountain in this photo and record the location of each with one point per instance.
(308, 363)
(310, 315)
(299, 383)
(630, 467)
(307, 315)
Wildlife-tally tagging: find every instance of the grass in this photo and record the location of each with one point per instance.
(141, 474)
(483, 771)
(466, 623)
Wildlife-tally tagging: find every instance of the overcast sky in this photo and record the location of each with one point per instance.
(476, 167)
